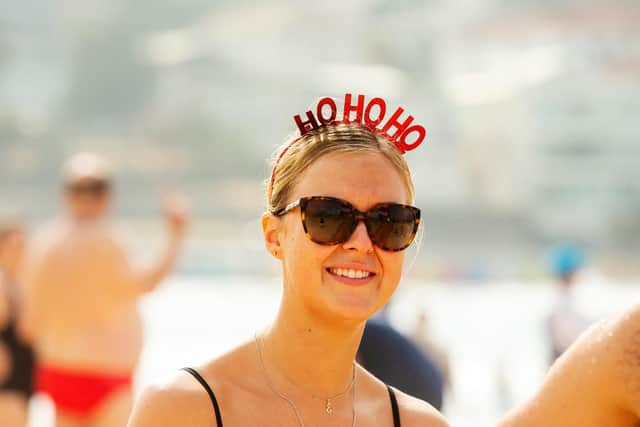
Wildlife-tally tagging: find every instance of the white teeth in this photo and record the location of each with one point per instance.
(351, 273)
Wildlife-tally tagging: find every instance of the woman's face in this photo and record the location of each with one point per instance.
(314, 273)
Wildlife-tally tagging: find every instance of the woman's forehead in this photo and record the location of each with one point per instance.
(367, 177)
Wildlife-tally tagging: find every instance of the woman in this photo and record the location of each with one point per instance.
(338, 220)
(16, 357)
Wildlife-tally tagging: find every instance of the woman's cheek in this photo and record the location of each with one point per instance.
(392, 269)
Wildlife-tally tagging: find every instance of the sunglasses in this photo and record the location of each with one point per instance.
(331, 221)
(89, 188)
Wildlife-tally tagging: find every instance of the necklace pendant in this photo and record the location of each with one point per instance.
(328, 408)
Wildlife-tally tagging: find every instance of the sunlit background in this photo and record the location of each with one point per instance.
(531, 107)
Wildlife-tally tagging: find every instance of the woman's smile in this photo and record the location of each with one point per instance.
(352, 274)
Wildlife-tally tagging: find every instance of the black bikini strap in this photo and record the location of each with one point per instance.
(394, 407)
(204, 384)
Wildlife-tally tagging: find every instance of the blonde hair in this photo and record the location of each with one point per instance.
(292, 158)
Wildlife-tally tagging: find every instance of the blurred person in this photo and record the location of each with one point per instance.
(595, 383)
(565, 322)
(81, 300)
(424, 339)
(382, 315)
(16, 355)
(338, 220)
(399, 362)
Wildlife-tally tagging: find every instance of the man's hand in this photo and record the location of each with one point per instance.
(177, 213)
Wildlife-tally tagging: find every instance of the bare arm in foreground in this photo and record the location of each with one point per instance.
(595, 383)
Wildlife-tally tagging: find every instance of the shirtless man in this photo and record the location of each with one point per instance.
(596, 383)
(81, 301)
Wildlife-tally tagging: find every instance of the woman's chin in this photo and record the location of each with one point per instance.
(357, 303)
(352, 308)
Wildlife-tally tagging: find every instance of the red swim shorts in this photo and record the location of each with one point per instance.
(75, 392)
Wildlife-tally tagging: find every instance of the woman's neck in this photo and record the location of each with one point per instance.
(307, 355)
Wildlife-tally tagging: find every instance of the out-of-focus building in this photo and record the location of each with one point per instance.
(530, 108)
(547, 100)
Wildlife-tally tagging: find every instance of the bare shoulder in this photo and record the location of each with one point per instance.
(96, 244)
(45, 237)
(623, 334)
(172, 402)
(182, 401)
(626, 325)
(413, 412)
(611, 349)
(604, 364)
(40, 249)
(418, 413)
(114, 235)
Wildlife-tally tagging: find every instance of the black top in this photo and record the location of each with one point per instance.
(216, 408)
(202, 381)
(397, 361)
(21, 357)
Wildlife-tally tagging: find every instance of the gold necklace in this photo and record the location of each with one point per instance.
(328, 406)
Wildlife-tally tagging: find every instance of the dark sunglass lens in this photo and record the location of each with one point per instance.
(392, 227)
(328, 221)
(92, 188)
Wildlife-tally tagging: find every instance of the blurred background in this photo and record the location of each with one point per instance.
(531, 109)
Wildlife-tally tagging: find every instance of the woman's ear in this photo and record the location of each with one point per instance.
(270, 230)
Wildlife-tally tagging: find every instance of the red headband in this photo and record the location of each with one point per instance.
(327, 112)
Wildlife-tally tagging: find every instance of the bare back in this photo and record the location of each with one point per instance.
(81, 299)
